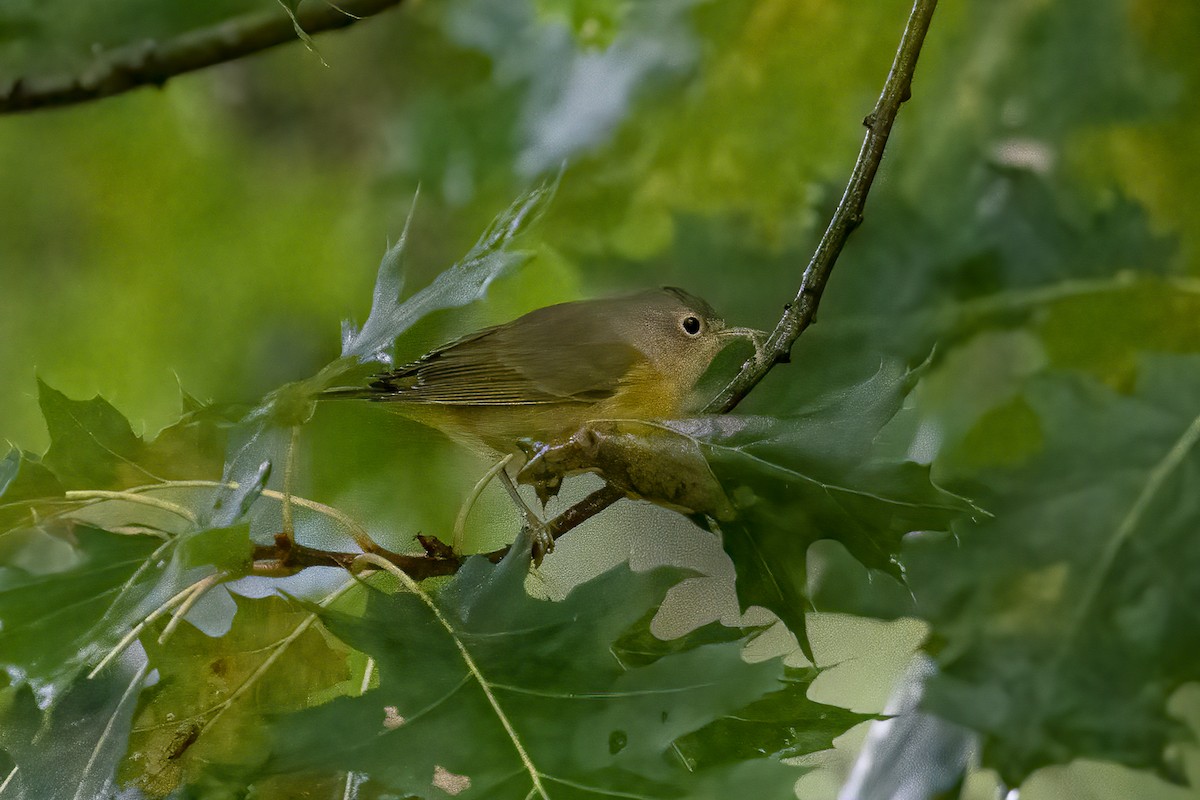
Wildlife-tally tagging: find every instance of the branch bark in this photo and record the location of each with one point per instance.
(797, 315)
(152, 63)
(802, 311)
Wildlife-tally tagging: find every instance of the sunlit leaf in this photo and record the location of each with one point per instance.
(214, 695)
(93, 447)
(25, 484)
(460, 284)
(91, 443)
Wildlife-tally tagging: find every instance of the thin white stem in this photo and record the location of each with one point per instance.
(8, 780)
(108, 728)
(357, 532)
(131, 497)
(367, 672)
(289, 477)
(460, 523)
(280, 648)
(199, 588)
(128, 638)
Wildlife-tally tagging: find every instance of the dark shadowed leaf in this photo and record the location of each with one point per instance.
(792, 481)
(542, 702)
(782, 724)
(69, 751)
(819, 475)
(72, 610)
(1068, 620)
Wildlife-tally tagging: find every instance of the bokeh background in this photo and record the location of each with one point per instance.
(218, 230)
(213, 234)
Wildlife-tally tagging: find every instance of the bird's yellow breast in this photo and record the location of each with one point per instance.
(645, 393)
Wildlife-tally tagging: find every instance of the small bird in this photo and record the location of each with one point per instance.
(545, 374)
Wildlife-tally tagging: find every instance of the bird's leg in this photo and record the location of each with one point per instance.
(543, 542)
(460, 523)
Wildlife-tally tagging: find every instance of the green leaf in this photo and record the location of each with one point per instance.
(819, 475)
(227, 549)
(63, 611)
(1067, 621)
(193, 447)
(93, 447)
(822, 474)
(533, 685)
(70, 750)
(52, 623)
(289, 7)
(782, 724)
(26, 484)
(214, 695)
(462, 283)
(91, 443)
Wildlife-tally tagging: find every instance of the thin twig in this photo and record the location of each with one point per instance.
(8, 780)
(289, 482)
(128, 638)
(802, 311)
(152, 63)
(199, 589)
(130, 497)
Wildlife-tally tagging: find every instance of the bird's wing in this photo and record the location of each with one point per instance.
(537, 360)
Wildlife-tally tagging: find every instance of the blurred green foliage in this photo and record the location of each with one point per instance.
(1031, 240)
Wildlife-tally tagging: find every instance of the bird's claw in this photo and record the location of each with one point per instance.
(543, 543)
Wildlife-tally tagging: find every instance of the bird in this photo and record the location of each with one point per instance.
(545, 374)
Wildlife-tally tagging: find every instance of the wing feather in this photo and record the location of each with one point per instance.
(547, 357)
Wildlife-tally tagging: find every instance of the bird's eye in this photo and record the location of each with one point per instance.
(690, 325)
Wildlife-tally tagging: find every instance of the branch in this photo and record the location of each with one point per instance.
(848, 215)
(152, 63)
(797, 316)
(287, 557)
(802, 311)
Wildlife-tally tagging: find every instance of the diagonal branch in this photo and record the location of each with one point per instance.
(802, 311)
(152, 63)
